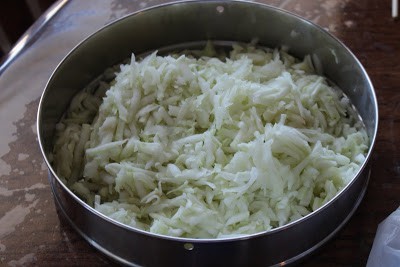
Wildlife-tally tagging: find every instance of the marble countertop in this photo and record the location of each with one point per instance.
(31, 230)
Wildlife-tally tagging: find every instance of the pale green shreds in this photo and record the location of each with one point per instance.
(208, 148)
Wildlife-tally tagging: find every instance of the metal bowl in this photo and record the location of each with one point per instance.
(187, 23)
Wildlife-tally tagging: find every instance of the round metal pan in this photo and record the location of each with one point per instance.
(192, 22)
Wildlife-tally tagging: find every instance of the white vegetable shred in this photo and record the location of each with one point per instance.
(209, 146)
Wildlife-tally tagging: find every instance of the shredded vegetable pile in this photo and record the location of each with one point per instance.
(208, 146)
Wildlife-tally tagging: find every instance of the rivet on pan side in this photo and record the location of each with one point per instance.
(188, 246)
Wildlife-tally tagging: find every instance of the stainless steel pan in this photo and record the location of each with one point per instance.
(193, 22)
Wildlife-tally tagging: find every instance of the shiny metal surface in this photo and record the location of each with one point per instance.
(197, 21)
(31, 34)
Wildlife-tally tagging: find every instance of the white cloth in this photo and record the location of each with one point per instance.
(386, 248)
